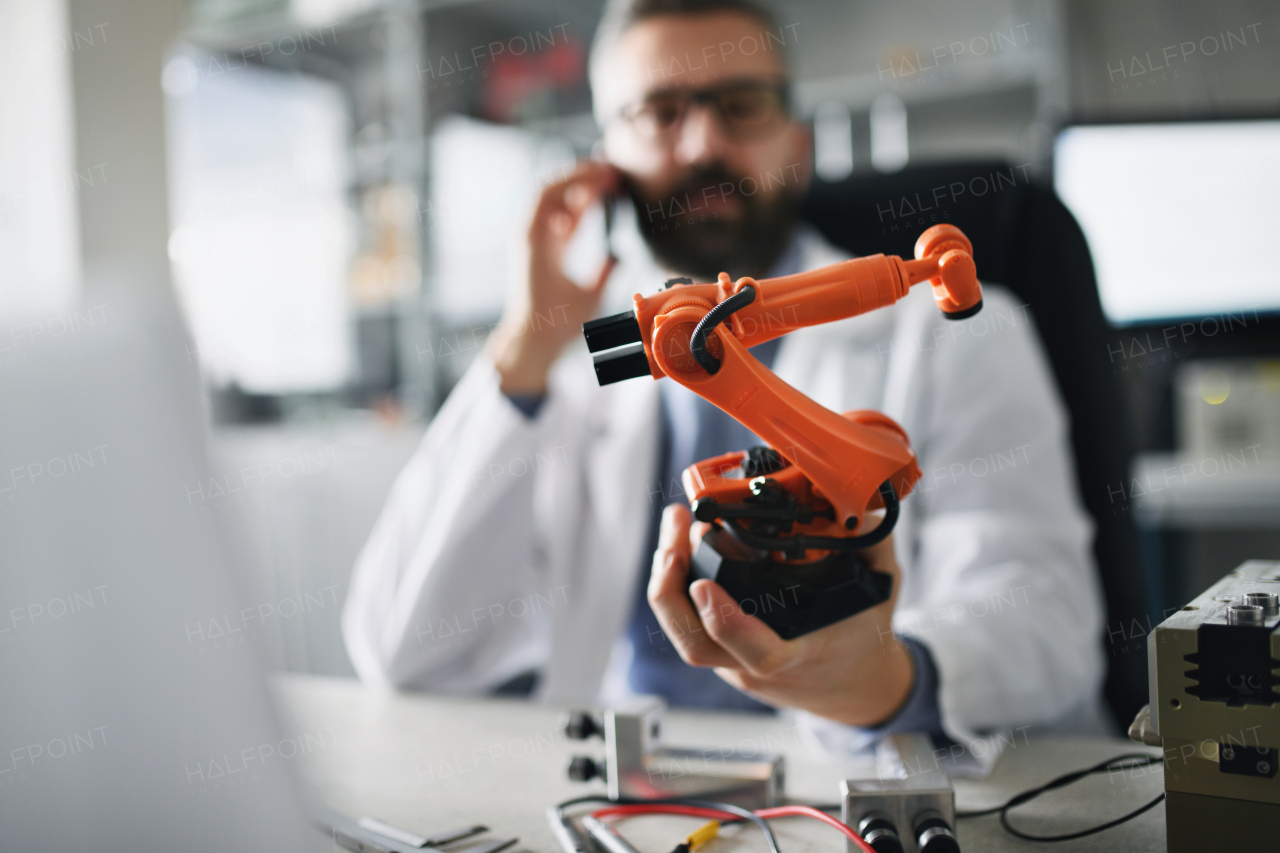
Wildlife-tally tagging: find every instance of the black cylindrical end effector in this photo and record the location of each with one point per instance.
(614, 331)
(628, 362)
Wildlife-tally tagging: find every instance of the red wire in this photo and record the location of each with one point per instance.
(697, 811)
(809, 811)
(661, 808)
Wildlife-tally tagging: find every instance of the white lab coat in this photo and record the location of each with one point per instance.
(511, 543)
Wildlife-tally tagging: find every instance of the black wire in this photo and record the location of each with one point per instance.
(713, 318)
(1137, 759)
(1142, 760)
(742, 814)
(890, 498)
(799, 543)
(1004, 822)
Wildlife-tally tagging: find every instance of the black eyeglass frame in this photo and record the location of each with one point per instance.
(709, 97)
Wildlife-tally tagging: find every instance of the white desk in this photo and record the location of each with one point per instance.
(429, 763)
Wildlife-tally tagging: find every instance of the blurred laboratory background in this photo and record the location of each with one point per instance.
(331, 191)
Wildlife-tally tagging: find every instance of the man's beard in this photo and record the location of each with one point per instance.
(748, 245)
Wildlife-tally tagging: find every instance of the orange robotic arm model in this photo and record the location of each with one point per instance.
(796, 511)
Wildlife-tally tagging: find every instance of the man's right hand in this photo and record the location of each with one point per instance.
(547, 308)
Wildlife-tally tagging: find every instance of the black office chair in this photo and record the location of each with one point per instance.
(1024, 238)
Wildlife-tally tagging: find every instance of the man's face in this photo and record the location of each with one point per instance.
(695, 120)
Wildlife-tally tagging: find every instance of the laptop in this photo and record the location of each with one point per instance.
(116, 730)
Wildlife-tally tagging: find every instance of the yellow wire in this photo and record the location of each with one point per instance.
(703, 834)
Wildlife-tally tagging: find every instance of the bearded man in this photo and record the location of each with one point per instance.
(526, 545)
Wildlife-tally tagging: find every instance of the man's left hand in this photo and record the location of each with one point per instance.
(854, 672)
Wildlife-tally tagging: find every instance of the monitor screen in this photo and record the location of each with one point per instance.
(1179, 216)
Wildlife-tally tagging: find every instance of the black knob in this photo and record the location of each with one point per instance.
(580, 725)
(933, 834)
(877, 830)
(706, 509)
(583, 768)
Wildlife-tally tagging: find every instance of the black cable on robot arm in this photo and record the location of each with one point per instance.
(882, 531)
(713, 318)
(698, 348)
(800, 542)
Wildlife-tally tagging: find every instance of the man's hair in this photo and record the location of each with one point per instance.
(621, 15)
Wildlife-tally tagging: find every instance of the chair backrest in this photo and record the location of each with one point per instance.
(1025, 239)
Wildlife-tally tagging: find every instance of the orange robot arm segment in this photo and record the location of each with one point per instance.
(944, 257)
(677, 332)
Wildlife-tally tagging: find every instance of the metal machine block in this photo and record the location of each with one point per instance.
(1214, 671)
(911, 788)
(637, 765)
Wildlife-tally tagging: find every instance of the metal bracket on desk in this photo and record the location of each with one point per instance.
(1215, 711)
(637, 765)
(910, 807)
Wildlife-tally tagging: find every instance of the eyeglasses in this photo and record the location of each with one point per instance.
(747, 109)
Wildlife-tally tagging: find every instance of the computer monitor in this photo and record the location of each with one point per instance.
(124, 726)
(1179, 216)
